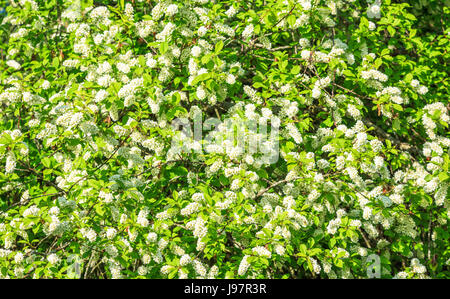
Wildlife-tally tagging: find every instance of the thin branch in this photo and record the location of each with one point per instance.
(260, 193)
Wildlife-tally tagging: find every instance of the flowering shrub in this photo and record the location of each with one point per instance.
(98, 180)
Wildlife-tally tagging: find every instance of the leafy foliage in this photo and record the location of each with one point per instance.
(90, 178)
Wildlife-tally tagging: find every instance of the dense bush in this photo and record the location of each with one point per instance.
(97, 179)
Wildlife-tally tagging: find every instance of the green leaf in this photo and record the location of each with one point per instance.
(100, 211)
(303, 249)
(200, 78)
(443, 176)
(384, 52)
(391, 30)
(364, 23)
(397, 107)
(348, 73)
(408, 78)
(163, 47)
(142, 60)
(295, 70)
(332, 242)
(173, 274)
(396, 124)
(218, 47)
(46, 162)
(55, 62)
